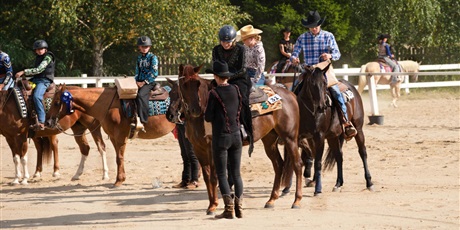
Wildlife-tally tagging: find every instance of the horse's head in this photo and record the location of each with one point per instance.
(315, 86)
(192, 90)
(61, 105)
(176, 109)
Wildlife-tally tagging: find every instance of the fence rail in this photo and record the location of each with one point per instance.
(344, 72)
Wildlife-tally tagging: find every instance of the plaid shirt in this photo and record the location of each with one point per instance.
(314, 46)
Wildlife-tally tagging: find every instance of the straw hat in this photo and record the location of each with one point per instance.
(247, 32)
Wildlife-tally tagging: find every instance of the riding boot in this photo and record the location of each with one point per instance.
(350, 130)
(239, 206)
(229, 208)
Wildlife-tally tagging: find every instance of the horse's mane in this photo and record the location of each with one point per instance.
(316, 86)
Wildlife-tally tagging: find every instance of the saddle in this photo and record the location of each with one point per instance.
(264, 100)
(26, 106)
(256, 96)
(384, 67)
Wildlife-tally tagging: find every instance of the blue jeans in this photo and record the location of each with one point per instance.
(335, 91)
(8, 84)
(252, 72)
(40, 89)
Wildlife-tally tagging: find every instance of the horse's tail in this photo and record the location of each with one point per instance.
(45, 146)
(288, 169)
(330, 159)
(362, 80)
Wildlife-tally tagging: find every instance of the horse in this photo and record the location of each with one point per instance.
(272, 128)
(105, 105)
(15, 128)
(373, 68)
(319, 122)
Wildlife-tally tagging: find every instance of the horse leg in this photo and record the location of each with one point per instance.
(209, 175)
(319, 148)
(97, 136)
(395, 93)
(335, 148)
(18, 146)
(360, 142)
(271, 149)
(291, 150)
(307, 160)
(54, 146)
(120, 147)
(79, 131)
(39, 164)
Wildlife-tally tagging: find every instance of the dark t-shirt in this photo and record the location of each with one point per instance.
(288, 47)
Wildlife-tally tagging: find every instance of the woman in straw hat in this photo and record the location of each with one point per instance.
(255, 53)
(232, 53)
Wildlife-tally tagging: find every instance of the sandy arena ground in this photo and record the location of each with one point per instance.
(413, 159)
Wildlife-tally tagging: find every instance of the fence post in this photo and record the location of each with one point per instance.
(375, 118)
(84, 85)
(345, 77)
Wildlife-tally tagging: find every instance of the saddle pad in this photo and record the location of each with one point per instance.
(274, 102)
(156, 107)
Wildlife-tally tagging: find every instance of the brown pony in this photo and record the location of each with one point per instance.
(373, 69)
(105, 105)
(272, 128)
(320, 122)
(15, 128)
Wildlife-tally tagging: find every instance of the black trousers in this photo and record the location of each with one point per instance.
(142, 101)
(226, 152)
(191, 164)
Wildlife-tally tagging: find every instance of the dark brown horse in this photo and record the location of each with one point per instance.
(15, 129)
(104, 104)
(272, 128)
(319, 122)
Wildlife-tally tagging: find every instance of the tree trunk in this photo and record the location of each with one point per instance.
(98, 60)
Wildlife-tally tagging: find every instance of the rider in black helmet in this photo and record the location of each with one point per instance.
(42, 75)
(146, 73)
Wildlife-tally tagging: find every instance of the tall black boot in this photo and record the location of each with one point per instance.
(229, 208)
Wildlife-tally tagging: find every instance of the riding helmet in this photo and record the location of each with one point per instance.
(144, 41)
(40, 44)
(227, 33)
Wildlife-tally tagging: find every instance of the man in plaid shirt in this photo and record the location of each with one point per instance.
(318, 46)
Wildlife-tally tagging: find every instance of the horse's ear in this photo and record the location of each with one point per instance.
(181, 69)
(198, 68)
(170, 81)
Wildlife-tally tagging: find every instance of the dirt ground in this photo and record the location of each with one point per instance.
(413, 160)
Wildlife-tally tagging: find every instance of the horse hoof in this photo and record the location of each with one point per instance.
(371, 188)
(15, 182)
(267, 205)
(75, 178)
(337, 189)
(24, 182)
(37, 175)
(317, 194)
(56, 174)
(295, 206)
(210, 213)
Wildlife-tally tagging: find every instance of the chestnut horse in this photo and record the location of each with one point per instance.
(320, 122)
(15, 128)
(373, 68)
(279, 126)
(105, 105)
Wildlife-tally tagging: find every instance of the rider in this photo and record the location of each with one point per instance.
(385, 54)
(254, 54)
(146, 73)
(286, 47)
(42, 75)
(233, 54)
(317, 46)
(6, 71)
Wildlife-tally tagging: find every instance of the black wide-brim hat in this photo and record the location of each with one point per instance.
(220, 69)
(382, 36)
(313, 20)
